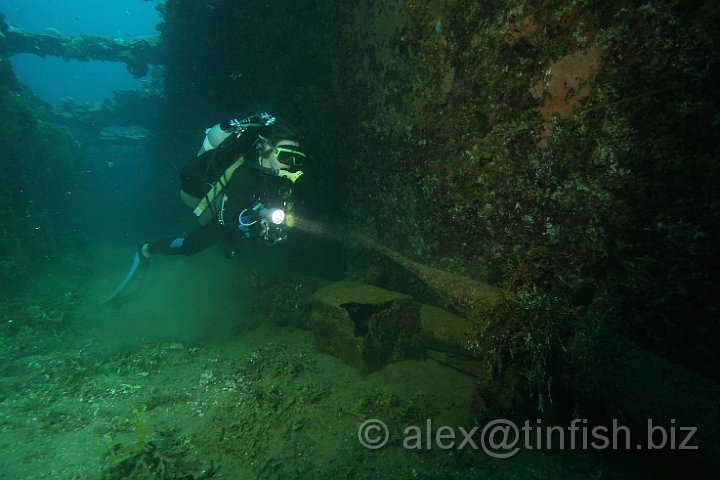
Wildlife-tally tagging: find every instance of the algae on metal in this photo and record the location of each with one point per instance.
(465, 294)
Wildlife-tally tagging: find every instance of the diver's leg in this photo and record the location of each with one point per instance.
(202, 237)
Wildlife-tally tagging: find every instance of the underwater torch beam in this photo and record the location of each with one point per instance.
(464, 294)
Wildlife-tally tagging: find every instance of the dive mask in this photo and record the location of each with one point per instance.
(291, 156)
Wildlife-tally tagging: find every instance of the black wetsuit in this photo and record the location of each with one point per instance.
(248, 185)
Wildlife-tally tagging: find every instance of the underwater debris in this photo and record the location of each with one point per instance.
(464, 294)
(137, 54)
(443, 331)
(365, 326)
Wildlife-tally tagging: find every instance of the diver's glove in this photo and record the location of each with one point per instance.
(250, 225)
(268, 223)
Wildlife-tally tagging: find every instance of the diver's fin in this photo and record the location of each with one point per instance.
(128, 277)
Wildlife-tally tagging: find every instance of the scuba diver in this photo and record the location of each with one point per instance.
(239, 186)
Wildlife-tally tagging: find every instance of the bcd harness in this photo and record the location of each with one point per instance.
(217, 187)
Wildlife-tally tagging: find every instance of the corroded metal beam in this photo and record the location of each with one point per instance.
(136, 54)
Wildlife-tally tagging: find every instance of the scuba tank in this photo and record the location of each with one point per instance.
(214, 136)
(223, 145)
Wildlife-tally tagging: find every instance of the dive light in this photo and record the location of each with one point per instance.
(276, 216)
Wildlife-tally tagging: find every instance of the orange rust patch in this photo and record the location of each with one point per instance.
(567, 87)
(527, 27)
